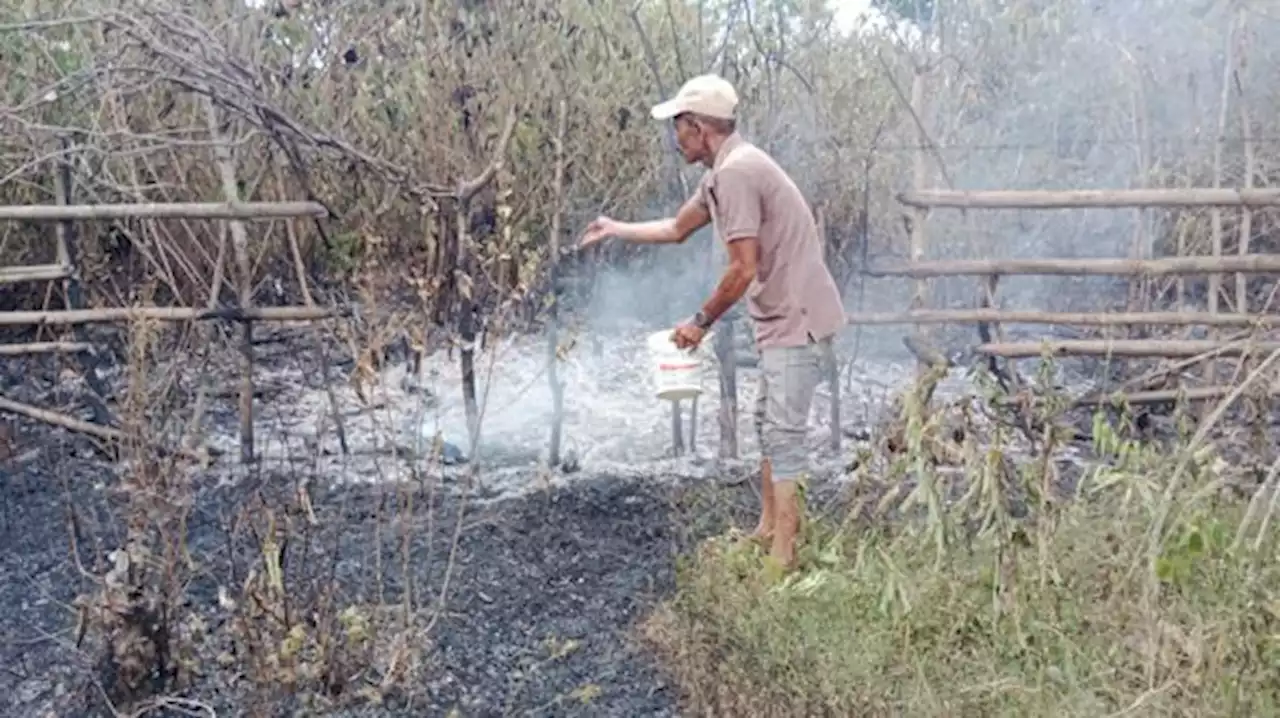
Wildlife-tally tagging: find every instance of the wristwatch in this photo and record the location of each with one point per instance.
(702, 321)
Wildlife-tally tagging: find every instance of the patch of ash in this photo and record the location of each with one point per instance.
(613, 424)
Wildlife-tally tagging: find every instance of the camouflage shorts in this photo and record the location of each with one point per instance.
(789, 376)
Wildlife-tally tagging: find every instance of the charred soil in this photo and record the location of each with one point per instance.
(542, 594)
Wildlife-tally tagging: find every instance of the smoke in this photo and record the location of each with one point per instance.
(1102, 95)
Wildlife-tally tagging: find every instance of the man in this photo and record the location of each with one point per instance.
(775, 260)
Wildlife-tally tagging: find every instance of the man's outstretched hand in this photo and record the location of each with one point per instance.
(688, 335)
(600, 229)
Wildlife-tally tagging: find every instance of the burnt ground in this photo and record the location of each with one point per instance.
(580, 563)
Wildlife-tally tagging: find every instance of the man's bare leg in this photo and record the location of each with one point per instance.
(786, 523)
(764, 529)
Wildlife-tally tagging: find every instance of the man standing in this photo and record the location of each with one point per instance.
(775, 260)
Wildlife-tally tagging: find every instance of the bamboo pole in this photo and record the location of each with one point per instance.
(1098, 319)
(1086, 199)
(1159, 396)
(244, 211)
(1250, 263)
(166, 314)
(14, 350)
(34, 273)
(54, 418)
(1123, 348)
(240, 249)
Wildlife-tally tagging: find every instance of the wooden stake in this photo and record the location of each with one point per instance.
(832, 367)
(726, 356)
(553, 270)
(1215, 215)
(919, 214)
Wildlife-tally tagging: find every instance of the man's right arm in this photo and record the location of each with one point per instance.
(693, 215)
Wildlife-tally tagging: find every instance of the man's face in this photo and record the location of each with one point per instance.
(691, 139)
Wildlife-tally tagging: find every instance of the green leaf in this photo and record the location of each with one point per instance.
(1195, 543)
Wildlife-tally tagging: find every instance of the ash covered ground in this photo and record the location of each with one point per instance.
(544, 558)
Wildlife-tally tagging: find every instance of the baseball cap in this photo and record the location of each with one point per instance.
(709, 95)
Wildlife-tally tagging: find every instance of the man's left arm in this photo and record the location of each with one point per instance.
(744, 254)
(737, 204)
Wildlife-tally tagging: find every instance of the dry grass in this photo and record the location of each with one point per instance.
(997, 588)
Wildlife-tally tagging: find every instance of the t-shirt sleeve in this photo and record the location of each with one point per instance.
(699, 196)
(737, 204)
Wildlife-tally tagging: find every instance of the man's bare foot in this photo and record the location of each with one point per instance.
(783, 550)
(786, 524)
(764, 529)
(763, 532)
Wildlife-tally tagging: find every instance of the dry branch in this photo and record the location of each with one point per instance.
(1084, 199)
(1122, 348)
(1257, 263)
(1091, 319)
(246, 211)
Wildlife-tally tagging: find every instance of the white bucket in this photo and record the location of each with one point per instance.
(677, 373)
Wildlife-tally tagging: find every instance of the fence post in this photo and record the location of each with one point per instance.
(240, 249)
(727, 358)
(919, 215)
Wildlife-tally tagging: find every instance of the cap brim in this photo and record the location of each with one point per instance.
(667, 110)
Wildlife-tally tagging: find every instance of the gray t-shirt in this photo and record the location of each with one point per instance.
(793, 298)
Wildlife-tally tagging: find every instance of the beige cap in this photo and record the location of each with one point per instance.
(709, 95)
